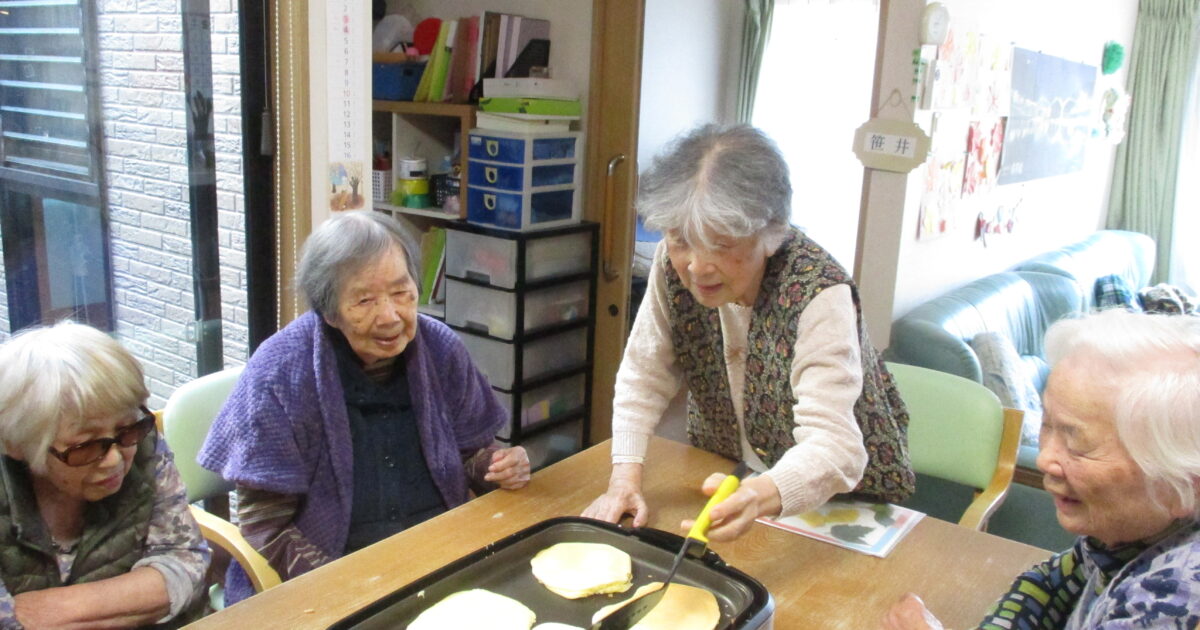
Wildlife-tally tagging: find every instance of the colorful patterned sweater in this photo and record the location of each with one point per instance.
(1134, 586)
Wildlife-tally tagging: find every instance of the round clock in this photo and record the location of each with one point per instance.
(935, 23)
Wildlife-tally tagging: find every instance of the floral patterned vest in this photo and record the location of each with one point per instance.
(794, 275)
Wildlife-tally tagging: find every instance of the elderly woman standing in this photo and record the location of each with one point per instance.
(94, 523)
(359, 419)
(764, 329)
(1120, 449)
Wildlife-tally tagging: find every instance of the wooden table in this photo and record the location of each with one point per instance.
(958, 572)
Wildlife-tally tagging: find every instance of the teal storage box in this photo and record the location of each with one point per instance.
(395, 81)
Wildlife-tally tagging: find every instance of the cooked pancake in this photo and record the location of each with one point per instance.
(682, 608)
(476, 608)
(576, 569)
(554, 625)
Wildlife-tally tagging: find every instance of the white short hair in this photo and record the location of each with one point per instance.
(1154, 362)
(54, 377)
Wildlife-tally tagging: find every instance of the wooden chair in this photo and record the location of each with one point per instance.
(959, 432)
(184, 423)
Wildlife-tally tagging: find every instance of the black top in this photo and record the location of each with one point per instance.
(393, 489)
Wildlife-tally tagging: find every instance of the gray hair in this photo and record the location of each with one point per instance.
(717, 180)
(344, 245)
(1154, 361)
(55, 377)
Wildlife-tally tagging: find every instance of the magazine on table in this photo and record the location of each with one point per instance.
(870, 528)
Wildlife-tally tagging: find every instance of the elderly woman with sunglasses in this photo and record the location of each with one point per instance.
(94, 523)
(359, 419)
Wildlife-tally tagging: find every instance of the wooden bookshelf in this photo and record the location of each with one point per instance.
(431, 119)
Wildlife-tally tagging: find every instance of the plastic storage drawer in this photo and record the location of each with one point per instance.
(498, 359)
(493, 260)
(554, 444)
(545, 402)
(521, 148)
(533, 208)
(520, 178)
(494, 311)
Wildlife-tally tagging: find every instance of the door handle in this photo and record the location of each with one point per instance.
(611, 272)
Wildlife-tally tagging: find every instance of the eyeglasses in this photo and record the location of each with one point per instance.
(92, 451)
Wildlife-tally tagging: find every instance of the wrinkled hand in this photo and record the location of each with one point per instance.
(624, 496)
(909, 613)
(509, 468)
(732, 517)
(35, 609)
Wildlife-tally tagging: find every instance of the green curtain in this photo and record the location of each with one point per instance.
(755, 31)
(1146, 171)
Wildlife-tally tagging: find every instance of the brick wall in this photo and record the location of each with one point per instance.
(145, 126)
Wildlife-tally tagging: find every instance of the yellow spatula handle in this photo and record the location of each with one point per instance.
(699, 530)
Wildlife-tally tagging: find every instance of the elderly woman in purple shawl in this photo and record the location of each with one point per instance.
(359, 419)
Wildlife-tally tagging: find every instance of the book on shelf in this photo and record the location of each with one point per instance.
(439, 61)
(524, 43)
(433, 261)
(530, 87)
(546, 107)
(521, 123)
(870, 528)
(462, 61)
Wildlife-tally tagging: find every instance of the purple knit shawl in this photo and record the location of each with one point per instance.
(284, 427)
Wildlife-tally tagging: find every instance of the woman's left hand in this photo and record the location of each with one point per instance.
(733, 516)
(509, 468)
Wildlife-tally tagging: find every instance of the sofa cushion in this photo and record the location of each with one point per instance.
(1127, 254)
(1022, 306)
(1008, 376)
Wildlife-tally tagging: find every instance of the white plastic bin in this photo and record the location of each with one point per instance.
(497, 359)
(493, 260)
(545, 402)
(494, 312)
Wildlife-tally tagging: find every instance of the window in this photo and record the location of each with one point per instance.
(53, 222)
(814, 90)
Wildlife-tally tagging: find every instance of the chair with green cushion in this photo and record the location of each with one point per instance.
(958, 432)
(185, 422)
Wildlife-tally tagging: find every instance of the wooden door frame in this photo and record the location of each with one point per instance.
(614, 99)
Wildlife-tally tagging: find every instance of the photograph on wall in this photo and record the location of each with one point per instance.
(1050, 118)
(985, 139)
(345, 186)
(941, 197)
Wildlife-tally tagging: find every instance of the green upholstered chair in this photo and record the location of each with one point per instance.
(184, 423)
(958, 432)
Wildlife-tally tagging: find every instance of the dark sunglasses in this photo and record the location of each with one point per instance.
(92, 451)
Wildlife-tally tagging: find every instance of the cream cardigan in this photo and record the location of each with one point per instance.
(826, 380)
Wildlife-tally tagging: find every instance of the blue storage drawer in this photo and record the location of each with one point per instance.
(554, 149)
(490, 147)
(518, 178)
(521, 210)
(521, 148)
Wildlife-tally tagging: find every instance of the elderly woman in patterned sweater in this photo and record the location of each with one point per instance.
(1120, 449)
(94, 523)
(359, 419)
(764, 330)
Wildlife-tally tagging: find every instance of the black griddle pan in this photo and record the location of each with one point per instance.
(503, 567)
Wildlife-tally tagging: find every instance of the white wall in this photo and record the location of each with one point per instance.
(899, 272)
(690, 56)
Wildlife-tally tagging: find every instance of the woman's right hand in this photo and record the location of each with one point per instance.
(910, 613)
(624, 496)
